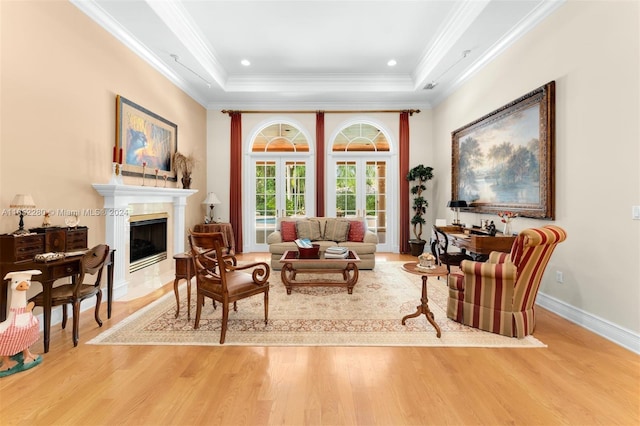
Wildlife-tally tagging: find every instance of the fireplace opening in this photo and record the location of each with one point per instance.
(147, 241)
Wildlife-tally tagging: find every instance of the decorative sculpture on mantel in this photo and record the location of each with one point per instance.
(184, 164)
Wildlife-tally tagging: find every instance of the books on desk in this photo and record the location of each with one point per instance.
(335, 252)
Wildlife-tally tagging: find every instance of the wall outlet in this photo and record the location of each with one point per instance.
(559, 277)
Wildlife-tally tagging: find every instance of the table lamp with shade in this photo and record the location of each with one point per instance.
(211, 201)
(456, 205)
(21, 202)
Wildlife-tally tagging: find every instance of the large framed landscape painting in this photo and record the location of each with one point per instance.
(147, 140)
(505, 160)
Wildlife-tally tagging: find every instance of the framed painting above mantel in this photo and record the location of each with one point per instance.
(147, 142)
(506, 161)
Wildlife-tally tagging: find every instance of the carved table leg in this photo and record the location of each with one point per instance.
(352, 278)
(175, 291)
(287, 270)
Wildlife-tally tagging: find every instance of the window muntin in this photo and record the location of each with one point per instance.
(360, 137)
(280, 137)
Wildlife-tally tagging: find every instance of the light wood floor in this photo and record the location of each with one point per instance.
(580, 379)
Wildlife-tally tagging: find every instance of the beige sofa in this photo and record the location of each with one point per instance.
(325, 231)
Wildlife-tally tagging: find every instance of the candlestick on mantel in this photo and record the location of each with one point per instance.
(115, 159)
(114, 175)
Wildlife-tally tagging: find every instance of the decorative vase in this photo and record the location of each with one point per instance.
(186, 181)
(507, 228)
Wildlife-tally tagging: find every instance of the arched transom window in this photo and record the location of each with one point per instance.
(280, 137)
(360, 137)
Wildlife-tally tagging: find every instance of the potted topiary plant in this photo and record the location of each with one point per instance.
(420, 174)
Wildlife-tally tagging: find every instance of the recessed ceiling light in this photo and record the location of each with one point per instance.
(392, 62)
(245, 62)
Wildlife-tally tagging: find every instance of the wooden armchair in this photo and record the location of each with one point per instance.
(219, 278)
(499, 295)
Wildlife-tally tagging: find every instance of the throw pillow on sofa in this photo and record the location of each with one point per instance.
(309, 229)
(356, 231)
(288, 229)
(336, 230)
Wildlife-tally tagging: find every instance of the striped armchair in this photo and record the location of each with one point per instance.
(499, 295)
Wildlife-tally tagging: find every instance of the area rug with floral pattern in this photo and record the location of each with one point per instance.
(313, 316)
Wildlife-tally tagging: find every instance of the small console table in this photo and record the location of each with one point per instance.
(184, 271)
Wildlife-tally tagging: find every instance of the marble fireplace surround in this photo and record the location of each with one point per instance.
(117, 201)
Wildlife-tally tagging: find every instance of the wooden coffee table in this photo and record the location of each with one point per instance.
(292, 266)
(423, 308)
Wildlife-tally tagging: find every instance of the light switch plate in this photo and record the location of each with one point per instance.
(635, 212)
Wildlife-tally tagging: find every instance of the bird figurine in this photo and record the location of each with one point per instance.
(21, 328)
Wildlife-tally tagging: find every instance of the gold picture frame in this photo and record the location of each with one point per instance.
(145, 142)
(506, 161)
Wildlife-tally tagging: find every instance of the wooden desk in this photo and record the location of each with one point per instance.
(225, 228)
(14, 250)
(52, 271)
(477, 245)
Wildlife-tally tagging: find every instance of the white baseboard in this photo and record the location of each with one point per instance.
(619, 335)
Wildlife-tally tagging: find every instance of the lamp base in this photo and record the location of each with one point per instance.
(20, 231)
(211, 219)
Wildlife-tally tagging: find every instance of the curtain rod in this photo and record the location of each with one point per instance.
(410, 111)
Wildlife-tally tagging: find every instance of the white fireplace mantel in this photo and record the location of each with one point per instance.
(117, 199)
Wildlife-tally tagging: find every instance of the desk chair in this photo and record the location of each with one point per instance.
(440, 249)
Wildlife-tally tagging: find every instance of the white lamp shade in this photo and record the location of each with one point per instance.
(211, 199)
(22, 201)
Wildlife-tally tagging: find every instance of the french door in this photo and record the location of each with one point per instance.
(358, 187)
(282, 187)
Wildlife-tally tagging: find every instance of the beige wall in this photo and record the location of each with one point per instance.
(61, 73)
(592, 51)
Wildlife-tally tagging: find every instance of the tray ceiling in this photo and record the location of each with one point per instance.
(318, 54)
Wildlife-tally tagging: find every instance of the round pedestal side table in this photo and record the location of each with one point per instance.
(423, 308)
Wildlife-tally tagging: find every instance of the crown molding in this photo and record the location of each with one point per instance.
(310, 83)
(106, 21)
(454, 27)
(178, 20)
(316, 106)
(526, 24)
